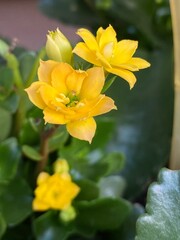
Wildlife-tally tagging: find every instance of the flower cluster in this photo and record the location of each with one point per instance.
(56, 191)
(74, 96)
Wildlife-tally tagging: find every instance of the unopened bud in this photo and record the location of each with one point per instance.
(61, 166)
(68, 214)
(58, 47)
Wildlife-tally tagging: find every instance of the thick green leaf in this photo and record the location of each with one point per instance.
(58, 139)
(31, 153)
(145, 121)
(11, 103)
(112, 186)
(5, 123)
(49, 227)
(115, 161)
(101, 214)
(15, 202)
(3, 225)
(162, 220)
(26, 61)
(89, 190)
(9, 159)
(128, 229)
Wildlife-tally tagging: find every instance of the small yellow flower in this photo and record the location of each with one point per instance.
(71, 97)
(58, 47)
(104, 50)
(54, 192)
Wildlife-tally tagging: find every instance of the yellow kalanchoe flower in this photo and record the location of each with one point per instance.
(54, 192)
(104, 50)
(71, 97)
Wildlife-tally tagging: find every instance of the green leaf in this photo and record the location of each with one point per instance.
(3, 225)
(6, 82)
(49, 227)
(145, 121)
(89, 190)
(31, 153)
(9, 159)
(5, 123)
(58, 139)
(15, 202)
(101, 214)
(162, 220)
(128, 229)
(26, 61)
(28, 134)
(115, 161)
(11, 103)
(112, 186)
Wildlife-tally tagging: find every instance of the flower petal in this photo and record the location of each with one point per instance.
(88, 38)
(54, 117)
(124, 51)
(93, 83)
(48, 94)
(139, 63)
(45, 69)
(34, 94)
(39, 205)
(82, 51)
(59, 75)
(83, 129)
(74, 81)
(105, 105)
(125, 74)
(107, 36)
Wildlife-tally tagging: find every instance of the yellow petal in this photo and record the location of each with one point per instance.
(88, 38)
(125, 74)
(139, 63)
(93, 83)
(45, 69)
(54, 117)
(34, 94)
(124, 51)
(107, 36)
(82, 129)
(74, 81)
(48, 94)
(104, 62)
(83, 51)
(105, 105)
(42, 177)
(59, 75)
(99, 34)
(38, 205)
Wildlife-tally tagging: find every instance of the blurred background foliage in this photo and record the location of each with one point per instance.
(145, 114)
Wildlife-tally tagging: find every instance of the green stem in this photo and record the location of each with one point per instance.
(108, 83)
(33, 72)
(44, 149)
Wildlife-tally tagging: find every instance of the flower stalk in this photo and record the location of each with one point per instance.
(175, 149)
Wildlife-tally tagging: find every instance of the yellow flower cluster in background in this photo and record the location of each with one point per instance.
(74, 96)
(54, 192)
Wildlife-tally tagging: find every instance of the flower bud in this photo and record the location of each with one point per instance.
(58, 48)
(68, 214)
(61, 166)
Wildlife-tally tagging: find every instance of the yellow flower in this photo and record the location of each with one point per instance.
(58, 47)
(104, 50)
(71, 97)
(54, 192)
